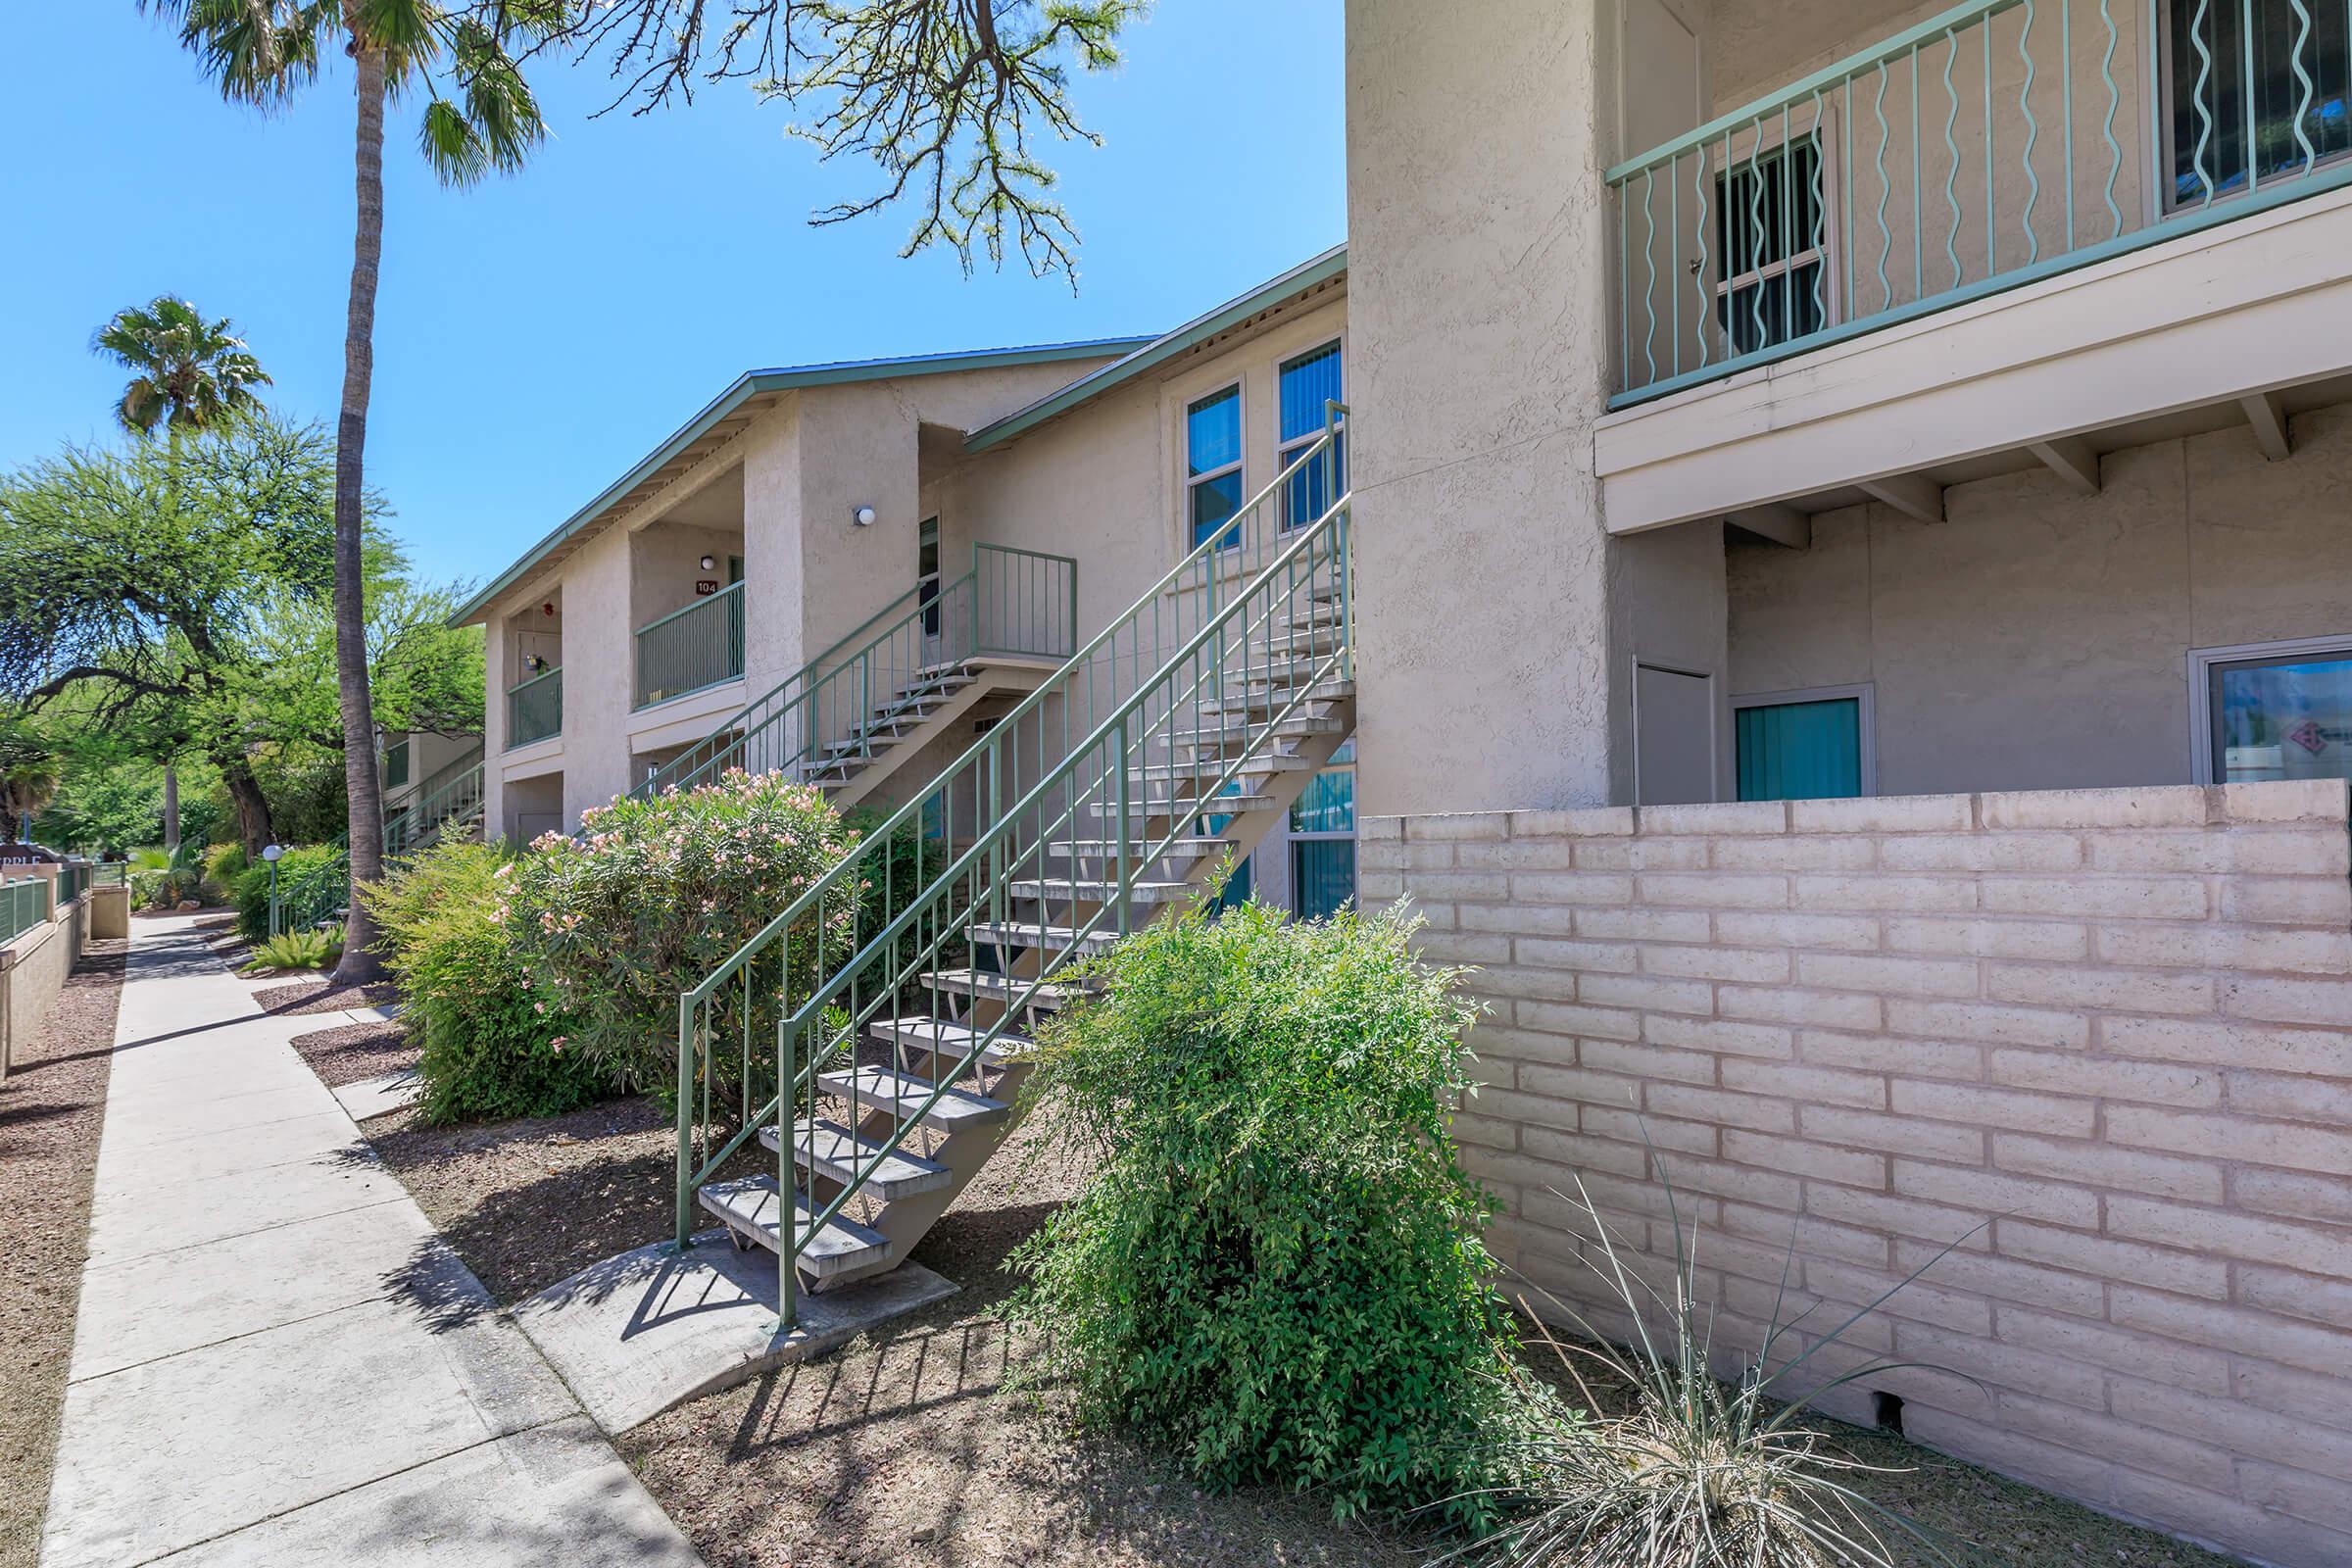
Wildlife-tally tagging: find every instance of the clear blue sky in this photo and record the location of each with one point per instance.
(537, 334)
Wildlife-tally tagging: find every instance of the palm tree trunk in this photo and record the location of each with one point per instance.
(367, 820)
(170, 809)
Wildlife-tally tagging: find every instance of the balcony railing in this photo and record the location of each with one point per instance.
(1998, 144)
(535, 708)
(690, 649)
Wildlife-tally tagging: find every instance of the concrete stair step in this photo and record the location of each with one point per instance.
(1162, 806)
(903, 1095)
(838, 1154)
(1193, 772)
(753, 1210)
(1060, 890)
(952, 1041)
(1266, 699)
(1012, 989)
(1224, 736)
(1028, 935)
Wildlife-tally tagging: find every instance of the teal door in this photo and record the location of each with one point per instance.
(1800, 751)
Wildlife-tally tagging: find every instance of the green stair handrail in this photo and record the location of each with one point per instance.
(1254, 601)
(1011, 602)
(456, 795)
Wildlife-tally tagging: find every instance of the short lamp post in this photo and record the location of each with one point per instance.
(272, 853)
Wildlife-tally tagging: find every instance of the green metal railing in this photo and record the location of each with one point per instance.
(691, 649)
(109, 874)
(535, 708)
(2000, 143)
(73, 881)
(1011, 603)
(1254, 606)
(23, 905)
(453, 794)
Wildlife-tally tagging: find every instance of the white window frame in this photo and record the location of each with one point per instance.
(1865, 697)
(2202, 662)
(1239, 387)
(1283, 450)
(1823, 137)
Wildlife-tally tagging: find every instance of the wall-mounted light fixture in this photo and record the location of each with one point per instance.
(864, 516)
(710, 562)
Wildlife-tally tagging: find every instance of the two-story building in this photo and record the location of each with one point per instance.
(1851, 635)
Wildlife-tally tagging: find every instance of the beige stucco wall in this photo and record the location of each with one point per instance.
(812, 574)
(2098, 1042)
(1491, 651)
(2038, 639)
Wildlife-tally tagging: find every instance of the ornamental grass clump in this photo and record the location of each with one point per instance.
(656, 894)
(1276, 1268)
(1695, 1473)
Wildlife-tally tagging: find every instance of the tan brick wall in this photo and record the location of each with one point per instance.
(2101, 1040)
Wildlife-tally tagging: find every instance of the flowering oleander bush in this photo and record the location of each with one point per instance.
(491, 1047)
(655, 896)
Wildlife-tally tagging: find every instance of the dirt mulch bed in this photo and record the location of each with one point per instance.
(905, 1449)
(51, 1107)
(301, 997)
(529, 1203)
(358, 1051)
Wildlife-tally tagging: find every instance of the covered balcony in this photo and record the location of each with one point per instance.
(2019, 234)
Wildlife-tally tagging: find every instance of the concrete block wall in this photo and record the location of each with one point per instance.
(2098, 1042)
(32, 974)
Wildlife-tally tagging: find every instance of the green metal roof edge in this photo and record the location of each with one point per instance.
(756, 384)
(1307, 274)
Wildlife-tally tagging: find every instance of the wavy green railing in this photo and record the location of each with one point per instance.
(1011, 603)
(2250, 115)
(1255, 604)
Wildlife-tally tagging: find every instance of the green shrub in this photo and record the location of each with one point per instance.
(658, 896)
(171, 877)
(491, 1046)
(298, 870)
(312, 948)
(223, 863)
(1277, 1266)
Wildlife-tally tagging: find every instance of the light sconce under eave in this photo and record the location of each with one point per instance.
(862, 516)
(710, 562)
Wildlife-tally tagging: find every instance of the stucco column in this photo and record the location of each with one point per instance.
(1491, 615)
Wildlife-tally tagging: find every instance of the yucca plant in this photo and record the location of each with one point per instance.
(307, 948)
(1698, 1473)
(181, 872)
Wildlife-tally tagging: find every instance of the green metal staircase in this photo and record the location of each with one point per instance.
(1109, 796)
(934, 657)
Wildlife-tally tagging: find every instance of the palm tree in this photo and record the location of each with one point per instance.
(188, 375)
(463, 59)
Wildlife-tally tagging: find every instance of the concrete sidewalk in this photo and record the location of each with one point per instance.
(277, 1362)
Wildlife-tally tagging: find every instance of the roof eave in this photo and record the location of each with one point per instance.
(1299, 280)
(760, 383)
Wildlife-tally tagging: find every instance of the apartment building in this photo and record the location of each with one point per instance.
(1855, 642)
(1851, 638)
(815, 538)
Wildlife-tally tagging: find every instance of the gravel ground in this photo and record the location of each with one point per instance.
(51, 1107)
(356, 1051)
(904, 1448)
(303, 997)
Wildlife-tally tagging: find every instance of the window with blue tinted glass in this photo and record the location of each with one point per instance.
(1240, 884)
(1213, 458)
(1323, 838)
(1799, 751)
(1309, 383)
(2286, 717)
